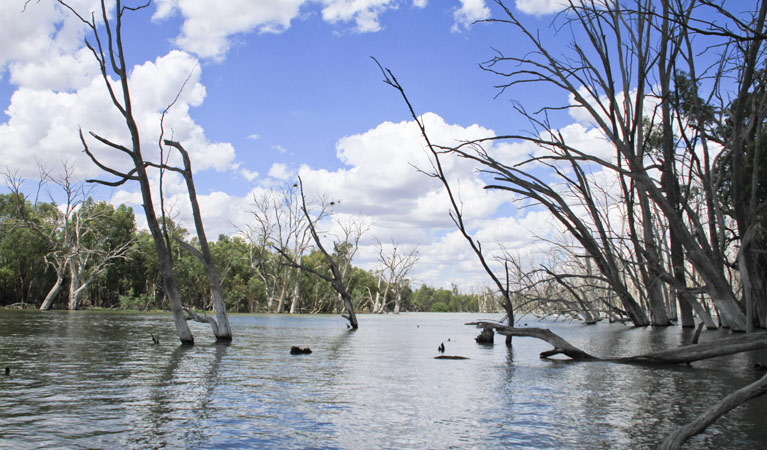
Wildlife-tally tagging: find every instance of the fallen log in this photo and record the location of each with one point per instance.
(684, 354)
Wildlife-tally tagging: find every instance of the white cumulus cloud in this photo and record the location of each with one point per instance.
(207, 27)
(469, 12)
(364, 13)
(541, 7)
(43, 123)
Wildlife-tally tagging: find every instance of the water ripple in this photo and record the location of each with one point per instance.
(89, 380)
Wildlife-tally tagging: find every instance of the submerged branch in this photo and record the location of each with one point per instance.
(191, 315)
(720, 408)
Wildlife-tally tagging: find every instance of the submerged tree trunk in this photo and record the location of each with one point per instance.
(223, 331)
(111, 63)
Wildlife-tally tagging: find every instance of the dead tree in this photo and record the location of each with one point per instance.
(57, 232)
(684, 354)
(456, 213)
(278, 221)
(614, 100)
(395, 266)
(337, 268)
(111, 58)
(220, 325)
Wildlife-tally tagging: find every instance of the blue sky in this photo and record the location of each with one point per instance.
(282, 87)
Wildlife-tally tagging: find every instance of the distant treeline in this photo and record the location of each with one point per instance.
(97, 254)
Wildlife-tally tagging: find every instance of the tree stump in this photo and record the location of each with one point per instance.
(486, 336)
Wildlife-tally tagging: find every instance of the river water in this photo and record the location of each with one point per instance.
(94, 380)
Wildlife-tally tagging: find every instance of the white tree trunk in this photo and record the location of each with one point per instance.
(53, 292)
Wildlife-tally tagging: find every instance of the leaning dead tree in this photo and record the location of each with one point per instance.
(338, 268)
(608, 75)
(456, 213)
(219, 325)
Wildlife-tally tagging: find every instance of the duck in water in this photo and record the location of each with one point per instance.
(155, 341)
(441, 348)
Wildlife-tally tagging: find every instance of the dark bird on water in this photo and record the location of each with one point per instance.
(441, 348)
(155, 341)
(7, 371)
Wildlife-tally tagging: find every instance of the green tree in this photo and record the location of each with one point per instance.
(24, 276)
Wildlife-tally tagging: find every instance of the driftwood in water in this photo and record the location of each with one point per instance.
(675, 439)
(684, 354)
(450, 357)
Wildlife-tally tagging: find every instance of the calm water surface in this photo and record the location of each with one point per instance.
(94, 380)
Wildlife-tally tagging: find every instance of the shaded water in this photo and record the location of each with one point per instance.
(93, 380)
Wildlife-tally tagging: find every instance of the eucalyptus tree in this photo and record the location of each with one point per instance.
(24, 276)
(278, 221)
(59, 227)
(94, 247)
(395, 266)
(81, 246)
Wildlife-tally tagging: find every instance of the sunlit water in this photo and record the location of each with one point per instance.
(94, 380)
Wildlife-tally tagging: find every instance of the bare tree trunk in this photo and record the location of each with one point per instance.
(54, 291)
(223, 331)
(296, 291)
(74, 283)
(281, 298)
(116, 61)
(653, 284)
(668, 51)
(378, 306)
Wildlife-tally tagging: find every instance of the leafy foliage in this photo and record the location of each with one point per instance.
(135, 283)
